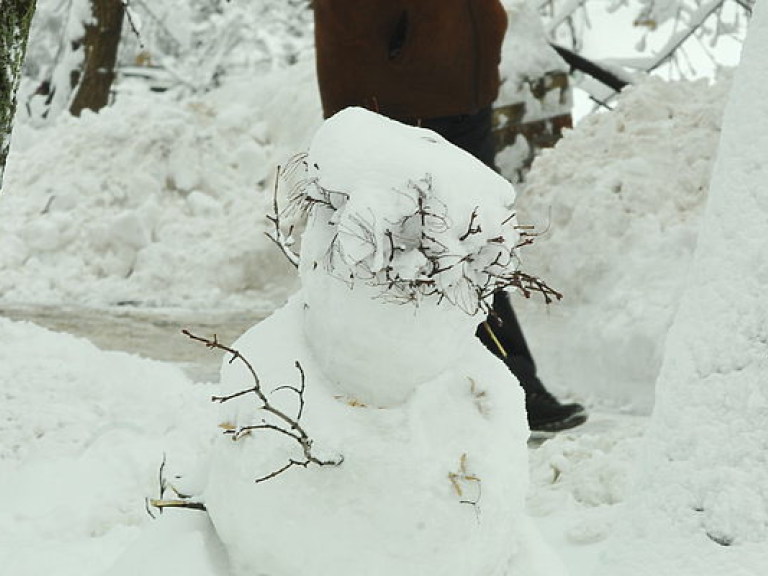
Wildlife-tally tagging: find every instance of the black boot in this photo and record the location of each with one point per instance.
(502, 335)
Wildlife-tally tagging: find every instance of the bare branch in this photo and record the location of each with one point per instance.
(471, 229)
(238, 433)
(288, 426)
(133, 21)
(464, 277)
(281, 240)
(183, 500)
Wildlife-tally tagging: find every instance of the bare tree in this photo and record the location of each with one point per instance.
(100, 43)
(677, 36)
(15, 18)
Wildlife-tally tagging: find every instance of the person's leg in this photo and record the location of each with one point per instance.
(502, 335)
(470, 132)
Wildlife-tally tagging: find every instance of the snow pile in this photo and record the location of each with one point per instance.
(83, 435)
(580, 481)
(153, 201)
(618, 204)
(415, 479)
(702, 503)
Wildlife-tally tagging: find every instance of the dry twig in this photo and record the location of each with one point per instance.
(182, 500)
(474, 275)
(288, 426)
(463, 477)
(281, 240)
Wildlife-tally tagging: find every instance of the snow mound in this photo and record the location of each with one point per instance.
(619, 203)
(83, 435)
(154, 201)
(703, 480)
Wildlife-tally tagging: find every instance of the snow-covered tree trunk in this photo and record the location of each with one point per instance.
(15, 18)
(101, 41)
(701, 503)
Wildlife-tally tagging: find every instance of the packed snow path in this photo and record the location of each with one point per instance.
(154, 334)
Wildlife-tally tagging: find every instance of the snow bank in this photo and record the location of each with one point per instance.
(702, 502)
(618, 204)
(84, 433)
(154, 201)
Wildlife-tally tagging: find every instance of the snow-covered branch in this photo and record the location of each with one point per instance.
(693, 24)
(671, 29)
(422, 251)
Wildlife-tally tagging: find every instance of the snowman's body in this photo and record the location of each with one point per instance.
(431, 428)
(432, 486)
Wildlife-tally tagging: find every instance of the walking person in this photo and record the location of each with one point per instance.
(435, 64)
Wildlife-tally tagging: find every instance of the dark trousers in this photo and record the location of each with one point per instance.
(470, 132)
(500, 332)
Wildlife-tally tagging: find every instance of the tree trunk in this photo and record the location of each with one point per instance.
(15, 18)
(101, 41)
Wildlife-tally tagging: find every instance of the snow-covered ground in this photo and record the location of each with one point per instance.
(154, 209)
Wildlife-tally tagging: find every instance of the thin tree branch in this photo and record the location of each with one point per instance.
(289, 427)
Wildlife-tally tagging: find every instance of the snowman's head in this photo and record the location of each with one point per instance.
(407, 238)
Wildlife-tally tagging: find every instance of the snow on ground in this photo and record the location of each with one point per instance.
(184, 184)
(83, 437)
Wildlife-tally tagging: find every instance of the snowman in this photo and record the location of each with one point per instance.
(411, 458)
(367, 432)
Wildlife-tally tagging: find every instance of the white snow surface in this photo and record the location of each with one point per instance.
(83, 436)
(703, 478)
(168, 210)
(186, 182)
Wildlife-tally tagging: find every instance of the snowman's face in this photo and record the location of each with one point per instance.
(375, 350)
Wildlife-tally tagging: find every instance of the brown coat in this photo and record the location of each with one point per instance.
(409, 59)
